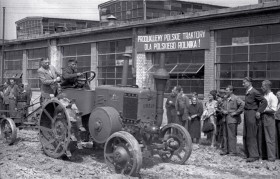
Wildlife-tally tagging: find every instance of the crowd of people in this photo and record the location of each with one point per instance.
(219, 116)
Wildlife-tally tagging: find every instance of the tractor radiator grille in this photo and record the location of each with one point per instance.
(130, 106)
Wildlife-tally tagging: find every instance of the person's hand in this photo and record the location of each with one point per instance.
(189, 118)
(178, 113)
(58, 79)
(193, 116)
(79, 74)
(232, 114)
(224, 112)
(170, 102)
(258, 115)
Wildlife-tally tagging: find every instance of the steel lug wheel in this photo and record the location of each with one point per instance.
(56, 130)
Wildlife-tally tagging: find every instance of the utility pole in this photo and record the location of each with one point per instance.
(3, 45)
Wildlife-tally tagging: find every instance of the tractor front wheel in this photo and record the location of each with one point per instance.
(178, 144)
(123, 154)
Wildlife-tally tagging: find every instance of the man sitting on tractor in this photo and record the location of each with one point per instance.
(70, 75)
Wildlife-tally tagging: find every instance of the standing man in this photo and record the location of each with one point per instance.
(70, 74)
(49, 78)
(277, 124)
(170, 107)
(255, 104)
(267, 127)
(5, 94)
(11, 93)
(231, 109)
(181, 102)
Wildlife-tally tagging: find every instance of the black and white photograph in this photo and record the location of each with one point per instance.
(148, 89)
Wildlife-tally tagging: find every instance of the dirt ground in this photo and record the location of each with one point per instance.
(25, 159)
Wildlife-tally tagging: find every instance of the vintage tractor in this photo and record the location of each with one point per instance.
(20, 118)
(126, 120)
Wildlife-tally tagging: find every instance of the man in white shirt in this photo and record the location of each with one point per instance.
(267, 139)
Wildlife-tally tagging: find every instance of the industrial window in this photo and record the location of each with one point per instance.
(252, 51)
(33, 64)
(110, 61)
(81, 52)
(13, 64)
(186, 68)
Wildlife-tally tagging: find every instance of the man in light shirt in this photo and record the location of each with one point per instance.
(255, 104)
(267, 127)
(277, 122)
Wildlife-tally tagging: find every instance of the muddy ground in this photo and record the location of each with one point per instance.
(25, 159)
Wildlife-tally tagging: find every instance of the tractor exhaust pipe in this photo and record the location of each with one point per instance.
(126, 56)
(161, 76)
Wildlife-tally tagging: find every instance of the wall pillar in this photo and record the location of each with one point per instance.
(24, 68)
(209, 73)
(93, 64)
(55, 54)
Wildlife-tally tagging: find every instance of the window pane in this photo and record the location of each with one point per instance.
(69, 50)
(239, 74)
(103, 47)
(240, 58)
(240, 49)
(83, 61)
(257, 66)
(83, 49)
(111, 60)
(274, 47)
(240, 32)
(273, 65)
(224, 58)
(239, 66)
(258, 74)
(224, 50)
(274, 56)
(258, 57)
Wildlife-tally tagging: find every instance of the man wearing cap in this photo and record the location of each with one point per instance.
(231, 109)
(255, 104)
(49, 78)
(70, 74)
(267, 127)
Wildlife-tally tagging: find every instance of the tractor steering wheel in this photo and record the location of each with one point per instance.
(87, 79)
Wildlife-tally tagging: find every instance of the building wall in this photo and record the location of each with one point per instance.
(143, 60)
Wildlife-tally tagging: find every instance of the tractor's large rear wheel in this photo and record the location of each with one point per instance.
(56, 131)
(8, 130)
(123, 154)
(178, 144)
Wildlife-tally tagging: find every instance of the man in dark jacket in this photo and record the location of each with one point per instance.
(70, 74)
(231, 109)
(255, 104)
(170, 107)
